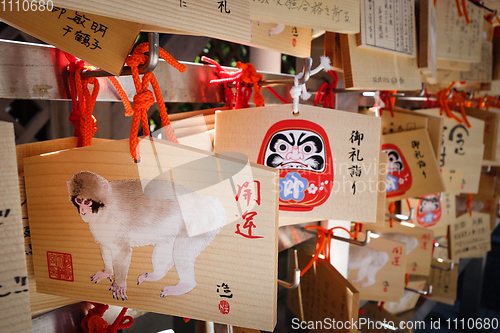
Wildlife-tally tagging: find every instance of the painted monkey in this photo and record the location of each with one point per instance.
(121, 216)
(368, 261)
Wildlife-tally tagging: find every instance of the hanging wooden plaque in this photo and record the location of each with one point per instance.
(402, 122)
(412, 166)
(457, 40)
(287, 39)
(40, 303)
(470, 236)
(99, 40)
(328, 159)
(480, 203)
(444, 282)
(462, 148)
(409, 300)
(332, 50)
(418, 245)
(427, 56)
(15, 313)
(491, 124)
(366, 69)
(479, 71)
(388, 28)
(377, 270)
(330, 15)
(191, 205)
(434, 127)
(228, 19)
(323, 293)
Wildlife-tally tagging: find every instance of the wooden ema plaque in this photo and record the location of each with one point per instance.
(15, 313)
(478, 72)
(163, 230)
(366, 69)
(377, 270)
(328, 159)
(470, 236)
(418, 245)
(444, 282)
(323, 293)
(437, 215)
(40, 303)
(287, 39)
(457, 40)
(409, 300)
(101, 41)
(228, 20)
(490, 139)
(330, 15)
(412, 167)
(388, 28)
(427, 55)
(434, 127)
(402, 122)
(462, 148)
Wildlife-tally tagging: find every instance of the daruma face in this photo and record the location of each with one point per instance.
(300, 149)
(398, 172)
(429, 213)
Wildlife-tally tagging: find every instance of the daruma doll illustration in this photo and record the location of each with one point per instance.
(300, 149)
(398, 171)
(429, 212)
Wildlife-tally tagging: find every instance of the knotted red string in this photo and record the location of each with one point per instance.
(278, 96)
(225, 77)
(443, 102)
(469, 204)
(324, 238)
(381, 306)
(326, 94)
(389, 101)
(427, 103)
(82, 101)
(250, 76)
(459, 99)
(246, 74)
(93, 322)
(392, 209)
(144, 98)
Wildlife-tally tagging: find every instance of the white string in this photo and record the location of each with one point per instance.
(379, 103)
(301, 91)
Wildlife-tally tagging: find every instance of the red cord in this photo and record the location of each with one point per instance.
(278, 96)
(82, 101)
(324, 238)
(326, 94)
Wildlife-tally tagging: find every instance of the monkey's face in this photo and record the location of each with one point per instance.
(88, 192)
(84, 207)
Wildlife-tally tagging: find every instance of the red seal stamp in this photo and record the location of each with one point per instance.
(224, 307)
(60, 266)
(294, 42)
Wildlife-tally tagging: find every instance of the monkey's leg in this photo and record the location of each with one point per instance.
(361, 274)
(107, 272)
(186, 250)
(162, 259)
(121, 263)
(371, 276)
